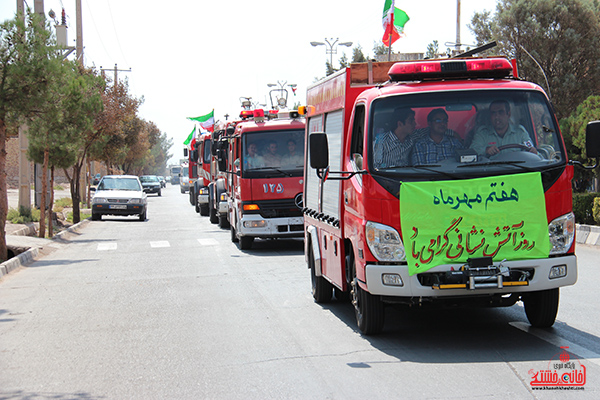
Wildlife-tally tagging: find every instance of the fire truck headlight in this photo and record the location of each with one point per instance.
(384, 242)
(562, 233)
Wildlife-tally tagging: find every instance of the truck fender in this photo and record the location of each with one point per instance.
(316, 249)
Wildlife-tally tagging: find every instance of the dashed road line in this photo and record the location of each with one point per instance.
(160, 243)
(107, 246)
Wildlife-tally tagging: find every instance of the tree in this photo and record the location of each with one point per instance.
(357, 55)
(343, 62)
(432, 50)
(380, 49)
(563, 36)
(26, 54)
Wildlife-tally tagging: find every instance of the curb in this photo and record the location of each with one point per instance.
(28, 256)
(588, 234)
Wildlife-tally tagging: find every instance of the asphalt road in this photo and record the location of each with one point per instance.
(170, 308)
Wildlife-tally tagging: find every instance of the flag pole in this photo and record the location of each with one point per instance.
(391, 30)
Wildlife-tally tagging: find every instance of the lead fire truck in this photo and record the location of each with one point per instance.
(444, 222)
(265, 173)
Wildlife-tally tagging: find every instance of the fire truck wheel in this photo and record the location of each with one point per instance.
(204, 210)
(246, 242)
(541, 307)
(321, 288)
(197, 207)
(212, 213)
(368, 308)
(223, 223)
(234, 238)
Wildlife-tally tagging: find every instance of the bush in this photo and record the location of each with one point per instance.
(596, 210)
(23, 215)
(63, 203)
(582, 207)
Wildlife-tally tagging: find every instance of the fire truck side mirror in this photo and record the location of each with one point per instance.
(221, 160)
(319, 150)
(185, 152)
(592, 139)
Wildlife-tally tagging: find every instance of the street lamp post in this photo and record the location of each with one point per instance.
(331, 43)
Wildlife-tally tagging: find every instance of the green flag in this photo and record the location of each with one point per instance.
(446, 222)
(203, 118)
(190, 137)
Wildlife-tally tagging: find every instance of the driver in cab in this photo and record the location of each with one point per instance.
(489, 139)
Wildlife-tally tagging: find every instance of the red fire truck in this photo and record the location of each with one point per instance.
(265, 173)
(472, 207)
(203, 155)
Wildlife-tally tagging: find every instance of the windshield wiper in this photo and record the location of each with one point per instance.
(426, 167)
(271, 168)
(513, 163)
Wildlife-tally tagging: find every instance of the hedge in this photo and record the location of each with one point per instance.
(583, 206)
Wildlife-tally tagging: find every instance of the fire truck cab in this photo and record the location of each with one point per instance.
(437, 182)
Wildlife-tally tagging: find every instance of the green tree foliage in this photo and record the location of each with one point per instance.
(27, 51)
(433, 49)
(563, 36)
(358, 55)
(380, 49)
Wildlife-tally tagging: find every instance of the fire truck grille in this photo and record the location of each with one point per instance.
(279, 208)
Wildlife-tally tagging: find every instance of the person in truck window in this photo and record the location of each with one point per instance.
(501, 132)
(292, 158)
(392, 148)
(438, 145)
(252, 159)
(271, 158)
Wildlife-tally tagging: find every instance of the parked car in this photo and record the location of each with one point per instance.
(119, 195)
(96, 179)
(163, 182)
(151, 184)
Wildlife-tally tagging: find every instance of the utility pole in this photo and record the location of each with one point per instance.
(457, 26)
(115, 69)
(79, 33)
(24, 165)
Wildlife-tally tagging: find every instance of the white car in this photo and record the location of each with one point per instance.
(119, 195)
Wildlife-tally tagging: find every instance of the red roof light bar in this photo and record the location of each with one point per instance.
(442, 69)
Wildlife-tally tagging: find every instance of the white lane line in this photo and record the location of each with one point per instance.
(107, 246)
(208, 242)
(160, 243)
(558, 341)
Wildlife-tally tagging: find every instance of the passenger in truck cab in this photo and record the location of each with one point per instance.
(439, 144)
(252, 159)
(392, 148)
(292, 158)
(271, 158)
(489, 139)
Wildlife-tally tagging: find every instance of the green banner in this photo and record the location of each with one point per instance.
(503, 217)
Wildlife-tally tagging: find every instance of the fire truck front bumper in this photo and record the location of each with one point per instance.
(257, 226)
(452, 280)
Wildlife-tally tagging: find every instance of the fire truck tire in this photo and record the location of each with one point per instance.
(212, 212)
(223, 223)
(368, 308)
(246, 242)
(204, 210)
(321, 288)
(234, 237)
(197, 206)
(192, 196)
(541, 307)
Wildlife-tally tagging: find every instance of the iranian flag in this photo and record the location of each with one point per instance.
(206, 121)
(393, 22)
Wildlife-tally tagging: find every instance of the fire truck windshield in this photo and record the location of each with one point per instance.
(463, 134)
(272, 153)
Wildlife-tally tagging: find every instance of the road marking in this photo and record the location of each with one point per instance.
(558, 341)
(160, 243)
(208, 242)
(107, 246)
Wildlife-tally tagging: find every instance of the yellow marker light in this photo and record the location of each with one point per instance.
(251, 207)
